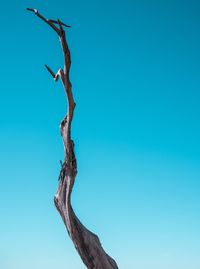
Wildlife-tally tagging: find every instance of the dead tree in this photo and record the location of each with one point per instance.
(86, 243)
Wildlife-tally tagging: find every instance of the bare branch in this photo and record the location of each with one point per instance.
(57, 75)
(44, 19)
(56, 22)
(50, 71)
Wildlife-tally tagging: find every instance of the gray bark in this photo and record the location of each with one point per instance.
(86, 243)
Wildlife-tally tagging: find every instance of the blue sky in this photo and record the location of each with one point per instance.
(135, 75)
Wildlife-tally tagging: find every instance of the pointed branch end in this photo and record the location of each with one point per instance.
(32, 10)
(50, 71)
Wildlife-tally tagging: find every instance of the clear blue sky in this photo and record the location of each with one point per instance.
(136, 81)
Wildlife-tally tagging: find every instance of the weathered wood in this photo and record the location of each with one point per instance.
(86, 243)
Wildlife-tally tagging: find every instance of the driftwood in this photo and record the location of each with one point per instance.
(86, 243)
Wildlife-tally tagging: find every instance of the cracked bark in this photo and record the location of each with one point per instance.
(86, 243)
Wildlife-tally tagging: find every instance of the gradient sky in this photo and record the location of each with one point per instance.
(136, 81)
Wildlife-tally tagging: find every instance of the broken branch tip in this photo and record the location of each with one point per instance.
(32, 10)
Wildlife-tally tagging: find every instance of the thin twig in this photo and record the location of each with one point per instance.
(61, 23)
(50, 71)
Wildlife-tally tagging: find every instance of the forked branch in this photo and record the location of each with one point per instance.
(86, 243)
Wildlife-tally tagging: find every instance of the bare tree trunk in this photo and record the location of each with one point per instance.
(86, 243)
